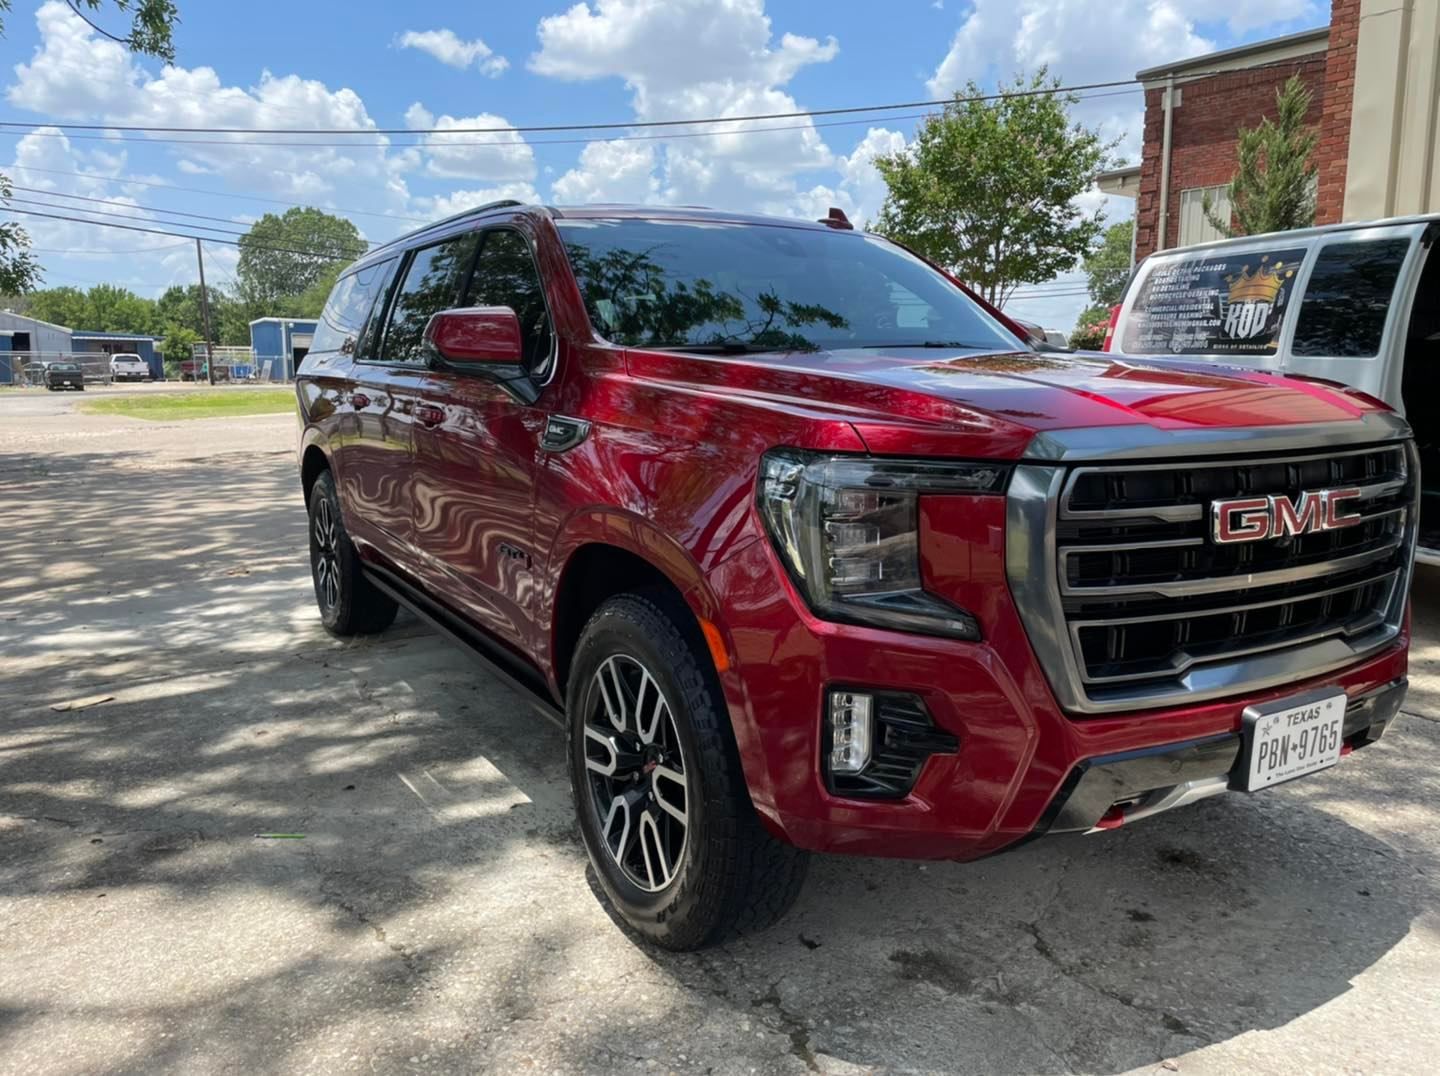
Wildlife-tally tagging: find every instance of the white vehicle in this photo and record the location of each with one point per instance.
(128, 367)
(1354, 303)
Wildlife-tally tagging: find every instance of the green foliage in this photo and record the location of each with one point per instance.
(1274, 185)
(60, 306)
(988, 188)
(118, 310)
(178, 341)
(1089, 331)
(151, 27)
(1108, 265)
(284, 256)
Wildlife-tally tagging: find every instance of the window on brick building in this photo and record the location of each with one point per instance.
(1194, 226)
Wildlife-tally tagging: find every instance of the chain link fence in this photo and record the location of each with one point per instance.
(22, 369)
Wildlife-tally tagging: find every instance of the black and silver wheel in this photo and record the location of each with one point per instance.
(635, 765)
(349, 603)
(664, 811)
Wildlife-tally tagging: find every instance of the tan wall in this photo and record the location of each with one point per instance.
(1395, 123)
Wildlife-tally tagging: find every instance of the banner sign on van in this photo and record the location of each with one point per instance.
(1213, 304)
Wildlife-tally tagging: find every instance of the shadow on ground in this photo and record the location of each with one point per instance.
(436, 912)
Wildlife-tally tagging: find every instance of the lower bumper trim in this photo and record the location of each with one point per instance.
(1101, 793)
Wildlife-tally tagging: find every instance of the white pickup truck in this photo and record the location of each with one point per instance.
(127, 367)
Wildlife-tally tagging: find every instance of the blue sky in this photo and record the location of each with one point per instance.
(309, 63)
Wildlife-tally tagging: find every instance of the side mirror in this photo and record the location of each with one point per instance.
(476, 334)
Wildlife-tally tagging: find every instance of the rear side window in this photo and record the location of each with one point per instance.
(505, 275)
(1216, 303)
(432, 283)
(1348, 299)
(349, 306)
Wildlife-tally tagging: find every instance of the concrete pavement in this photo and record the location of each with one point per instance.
(437, 915)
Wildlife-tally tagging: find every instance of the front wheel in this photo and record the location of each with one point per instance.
(663, 808)
(349, 603)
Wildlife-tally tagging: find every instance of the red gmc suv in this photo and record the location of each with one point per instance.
(811, 551)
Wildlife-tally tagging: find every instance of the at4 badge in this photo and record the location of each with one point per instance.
(1254, 305)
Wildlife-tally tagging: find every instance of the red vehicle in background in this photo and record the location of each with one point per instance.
(811, 552)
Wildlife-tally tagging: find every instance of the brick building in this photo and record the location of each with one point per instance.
(1374, 76)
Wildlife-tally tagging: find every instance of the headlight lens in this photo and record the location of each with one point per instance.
(848, 530)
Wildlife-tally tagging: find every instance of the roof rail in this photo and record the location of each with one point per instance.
(502, 203)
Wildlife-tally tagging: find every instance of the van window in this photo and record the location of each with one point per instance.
(348, 307)
(1348, 299)
(1213, 303)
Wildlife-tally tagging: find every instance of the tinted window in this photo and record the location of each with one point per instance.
(348, 307)
(1348, 299)
(505, 276)
(432, 284)
(659, 283)
(1212, 303)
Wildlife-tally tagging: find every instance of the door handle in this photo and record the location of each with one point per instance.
(359, 401)
(429, 415)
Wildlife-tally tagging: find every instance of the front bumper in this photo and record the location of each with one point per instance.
(1019, 753)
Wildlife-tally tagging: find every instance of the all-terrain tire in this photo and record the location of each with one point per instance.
(349, 603)
(731, 876)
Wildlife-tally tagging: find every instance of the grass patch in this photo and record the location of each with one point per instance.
(201, 403)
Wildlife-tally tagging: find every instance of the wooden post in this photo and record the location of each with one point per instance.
(205, 314)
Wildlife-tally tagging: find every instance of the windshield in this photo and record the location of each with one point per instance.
(703, 284)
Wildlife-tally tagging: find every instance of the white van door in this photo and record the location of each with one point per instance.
(1354, 308)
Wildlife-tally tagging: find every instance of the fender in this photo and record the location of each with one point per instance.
(605, 525)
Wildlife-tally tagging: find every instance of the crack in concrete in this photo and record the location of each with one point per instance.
(410, 960)
(791, 1025)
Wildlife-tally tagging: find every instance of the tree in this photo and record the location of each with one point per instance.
(988, 188)
(1274, 185)
(60, 306)
(177, 342)
(113, 309)
(151, 27)
(284, 255)
(1090, 327)
(1108, 265)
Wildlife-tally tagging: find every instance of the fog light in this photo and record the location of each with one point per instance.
(852, 724)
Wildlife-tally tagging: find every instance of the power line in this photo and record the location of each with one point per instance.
(129, 205)
(177, 235)
(514, 141)
(107, 253)
(211, 193)
(605, 126)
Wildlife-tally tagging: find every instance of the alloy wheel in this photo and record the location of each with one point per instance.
(324, 554)
(635, 764)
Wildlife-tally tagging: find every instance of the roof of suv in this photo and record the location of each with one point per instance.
(596, 211)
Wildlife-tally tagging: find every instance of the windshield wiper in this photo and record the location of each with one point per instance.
(930, 343)
(729, 348)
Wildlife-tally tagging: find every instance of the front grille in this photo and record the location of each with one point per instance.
(1147, 594)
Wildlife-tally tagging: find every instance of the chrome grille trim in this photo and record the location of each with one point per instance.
(1036, 567)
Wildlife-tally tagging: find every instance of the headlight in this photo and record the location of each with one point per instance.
(848, 530)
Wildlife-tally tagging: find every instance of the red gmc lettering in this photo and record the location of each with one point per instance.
(1334, 517)
(1243, 521)
(1291, 518)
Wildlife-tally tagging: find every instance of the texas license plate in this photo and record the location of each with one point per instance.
(1291, 737)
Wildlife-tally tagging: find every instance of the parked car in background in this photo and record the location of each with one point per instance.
(64, 375)
(1356, 304)
(197, 370)
(810, 552)
(125, 367)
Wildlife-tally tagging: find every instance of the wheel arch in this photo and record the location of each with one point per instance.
(313, 463)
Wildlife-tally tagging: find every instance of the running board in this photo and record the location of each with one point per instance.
(513, 671)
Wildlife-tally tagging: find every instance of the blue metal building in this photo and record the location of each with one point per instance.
(281, 342)
(120, 344)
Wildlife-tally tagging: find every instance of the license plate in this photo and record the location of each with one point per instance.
(1291, 737)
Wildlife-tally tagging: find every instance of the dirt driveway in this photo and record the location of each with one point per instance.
(437, 916)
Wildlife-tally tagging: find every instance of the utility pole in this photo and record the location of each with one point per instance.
(205, 313)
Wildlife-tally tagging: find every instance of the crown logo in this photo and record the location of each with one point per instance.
(1261, 286)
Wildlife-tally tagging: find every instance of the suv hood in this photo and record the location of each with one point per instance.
(992, 403)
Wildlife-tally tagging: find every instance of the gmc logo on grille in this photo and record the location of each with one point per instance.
(1251, 519)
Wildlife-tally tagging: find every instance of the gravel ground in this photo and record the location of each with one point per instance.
(437, 915)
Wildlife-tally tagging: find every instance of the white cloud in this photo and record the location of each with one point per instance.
(447, 205)
(447, 47)
(500, 156)
(74, 73)
(611, 172)
(731, 65)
